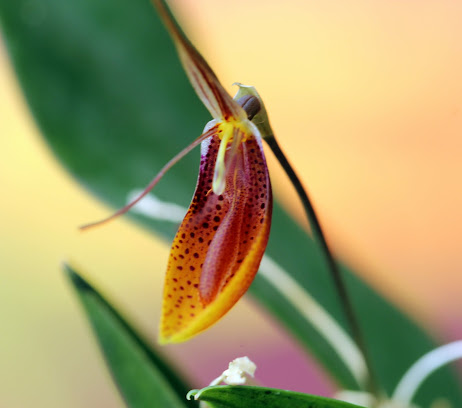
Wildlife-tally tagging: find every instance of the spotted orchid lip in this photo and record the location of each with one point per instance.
(219, 245)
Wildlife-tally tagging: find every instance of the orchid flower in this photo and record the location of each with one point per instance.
(217, 250)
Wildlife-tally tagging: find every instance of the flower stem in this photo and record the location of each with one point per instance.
(332, 265)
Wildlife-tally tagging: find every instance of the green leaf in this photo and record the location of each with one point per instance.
(227, 396)
(106, 88)
(143, 378)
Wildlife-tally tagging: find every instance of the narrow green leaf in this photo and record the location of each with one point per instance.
(232, 396)
(142, 377)
(106, 88)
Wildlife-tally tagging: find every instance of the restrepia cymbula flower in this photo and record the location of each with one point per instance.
(218, 248)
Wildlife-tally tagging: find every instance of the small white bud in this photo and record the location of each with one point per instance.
(237, 372)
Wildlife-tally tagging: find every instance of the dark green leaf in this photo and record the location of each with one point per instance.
(227, 396)
(143, 378)
(106, 88)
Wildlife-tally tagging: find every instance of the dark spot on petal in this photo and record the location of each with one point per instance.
(196, 255)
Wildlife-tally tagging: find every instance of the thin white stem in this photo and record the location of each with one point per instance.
(423, 368)
(313, 312)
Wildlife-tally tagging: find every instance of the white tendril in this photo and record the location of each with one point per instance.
(423, 368)
(313, 312)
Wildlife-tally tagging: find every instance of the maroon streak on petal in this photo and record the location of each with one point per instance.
(222, 254)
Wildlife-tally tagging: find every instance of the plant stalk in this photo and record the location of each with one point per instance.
(372, 385)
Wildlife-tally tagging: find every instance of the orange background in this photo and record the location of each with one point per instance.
(366, 100)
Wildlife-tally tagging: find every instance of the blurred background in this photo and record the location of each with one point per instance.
(366, 99)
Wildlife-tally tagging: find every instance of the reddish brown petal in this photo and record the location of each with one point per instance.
(218, 248)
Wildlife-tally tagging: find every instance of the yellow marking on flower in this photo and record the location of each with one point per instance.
(232, 132)
(219, 175)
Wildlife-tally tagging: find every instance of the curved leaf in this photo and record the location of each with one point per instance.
(143, 378)
(106, 88)
(233, 396)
